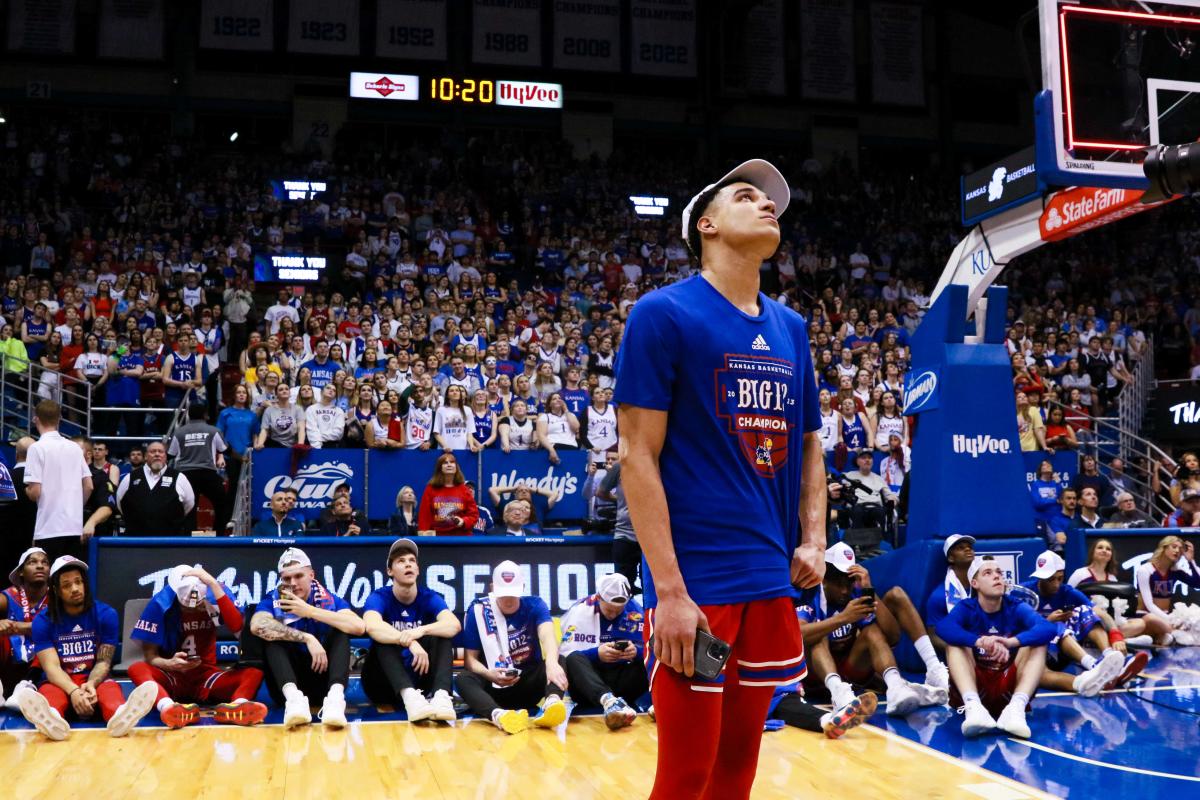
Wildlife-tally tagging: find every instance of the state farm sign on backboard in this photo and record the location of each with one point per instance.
(383, 86)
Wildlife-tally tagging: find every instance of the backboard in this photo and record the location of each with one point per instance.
(1118, 77)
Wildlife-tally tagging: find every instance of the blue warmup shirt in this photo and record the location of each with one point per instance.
(318, 596)
(1067, 596)
(740, 393)
(815, 607)
(77, 638)
(523, 644)
(935, 606)
(963, 626)
(321, 373)
(423, 610)
(576, 399)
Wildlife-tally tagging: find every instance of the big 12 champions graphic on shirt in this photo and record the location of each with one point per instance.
(754, 398)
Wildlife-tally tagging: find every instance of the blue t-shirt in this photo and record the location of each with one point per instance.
(815, 607)
(935, 606)
(321, 373)
(736, 447)
(576, 399)
(423, 610)
(523, 644)
(318, 596)
(1067, 596)
(237, 426)
(968, 621)
(77, 638)
(1045, 499)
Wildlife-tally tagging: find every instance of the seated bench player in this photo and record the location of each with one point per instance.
(996, 650)
(410, 627)
(75, 638)
(603, 650)
(178, 632)
(306, 632)
(959, 550)
(512, 656)
(845, 643)
(1077, 622)
(19, 604)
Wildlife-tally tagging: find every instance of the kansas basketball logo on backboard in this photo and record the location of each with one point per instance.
(754, 395)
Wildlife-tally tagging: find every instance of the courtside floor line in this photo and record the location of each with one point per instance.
(1093, 762)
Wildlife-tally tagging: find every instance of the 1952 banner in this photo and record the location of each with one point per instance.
(558, 569)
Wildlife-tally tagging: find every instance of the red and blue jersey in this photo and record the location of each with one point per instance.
(523, 646)
(76, 638)
(175, 628)
(740, 394)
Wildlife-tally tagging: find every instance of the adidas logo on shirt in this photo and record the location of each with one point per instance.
(759, 343)
(77, 629)
(404, 613)
(993, 630)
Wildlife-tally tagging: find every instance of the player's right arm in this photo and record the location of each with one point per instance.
(265, 626)
(677, 617)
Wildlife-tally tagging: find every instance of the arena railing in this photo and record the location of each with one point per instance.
(25, 383)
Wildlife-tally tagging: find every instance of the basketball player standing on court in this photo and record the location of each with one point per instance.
(718, 412)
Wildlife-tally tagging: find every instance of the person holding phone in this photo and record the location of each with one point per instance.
(602, 643)
(178, 632)
(512, 656)
(753, 444)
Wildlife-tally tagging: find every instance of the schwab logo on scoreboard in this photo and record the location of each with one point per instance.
(381, 86)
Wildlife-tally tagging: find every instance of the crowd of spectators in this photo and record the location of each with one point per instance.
(478, 285)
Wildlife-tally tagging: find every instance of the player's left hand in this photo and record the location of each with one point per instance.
(859, 572)
(292, 604)
(556, 675)
(1120, 647)
(1061, 615)
(420, 658)
(808, 566)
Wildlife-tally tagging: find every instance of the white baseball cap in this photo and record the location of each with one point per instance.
(954, 539)
(613, 588)
(841, 556)
(64, 562)
(508, 580)
(293, 556)
(759, 173)
(188, 589)
(1048, 563)
(14, 577)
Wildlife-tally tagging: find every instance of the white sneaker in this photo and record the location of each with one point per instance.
(1012, 721)
(1090, 682)
(443, 706)
(11, 703)
(930, 695)
(333, 711)
(1145, 640)
(977, 721)
(140, 703)
(416, 707)
(844, 695)
(36, 709)
(902, 699)
(938, 677)
(296, 712)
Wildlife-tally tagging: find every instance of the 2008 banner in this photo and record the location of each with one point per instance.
(558, 569)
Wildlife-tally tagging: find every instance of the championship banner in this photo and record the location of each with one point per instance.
(237, 25)
(897, 54)
(765, 72)
(827, 50)
(558, 569)
(389, 470)
(316, 475)
(533, 468)
(412, 29)
(130, 29)
(41, 26)
(587, 35)
(507, 32)
(663, 38)
(323, 28)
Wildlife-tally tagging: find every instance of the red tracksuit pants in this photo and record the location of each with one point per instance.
(204, 684)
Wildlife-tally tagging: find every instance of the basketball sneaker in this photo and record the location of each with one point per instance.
(1012, 721)
(333, 710)
(1133, 666)
(38, 711)
(929, 695)
(296, 711)
(140, 702)
(443, 706)
(511, 721)
(843, 695)
(938, 677)
(247, 713)
(416, 707)
(977, 721)
(179, 715)
(11, 703)
(617, 713)
(1090, 682)
(554, 713)
(849, 716)
(902, 699)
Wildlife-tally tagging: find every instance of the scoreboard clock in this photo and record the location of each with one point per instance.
(445, 90)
